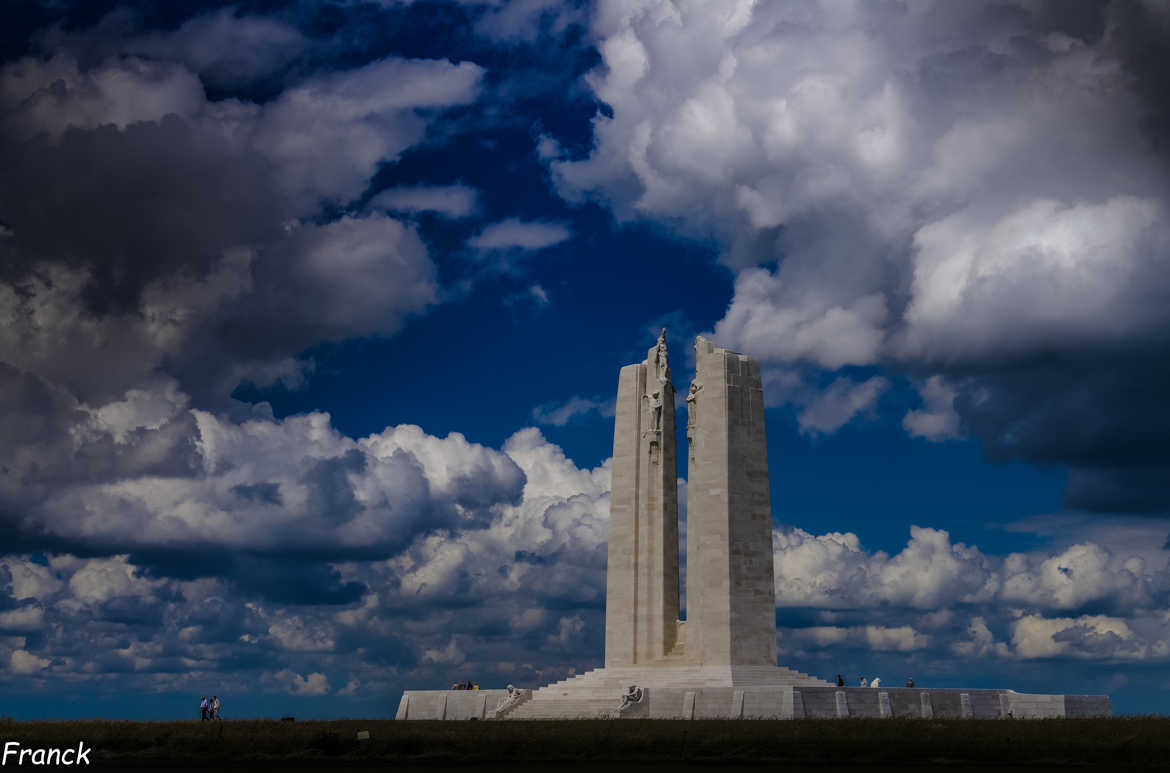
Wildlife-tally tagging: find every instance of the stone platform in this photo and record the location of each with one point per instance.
(600, 697)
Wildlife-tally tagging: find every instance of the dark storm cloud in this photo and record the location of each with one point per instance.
(1142, 33)
(330, 489)
(1088, 640)
(1142, 487)
(1101, 416)
(260, 492)
(280, 578)
(161, 246)
(136, 209)
(344, 279)
(291, 581)
(132, 611)
(227, 48)
(220, 620)
(51, 441)
(379, 650)
(146, 254)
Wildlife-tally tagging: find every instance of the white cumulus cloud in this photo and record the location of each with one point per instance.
(519, 234)
(936, 420)
(839, 403)
(562, 414)
(448, 200)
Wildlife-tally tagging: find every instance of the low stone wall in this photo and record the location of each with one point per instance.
(1086, 706)
(449, 704)
(860, 702)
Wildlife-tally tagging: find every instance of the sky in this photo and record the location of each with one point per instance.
(311, 315)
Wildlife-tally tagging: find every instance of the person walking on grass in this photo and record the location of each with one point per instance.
(204, 705)
(215, 707)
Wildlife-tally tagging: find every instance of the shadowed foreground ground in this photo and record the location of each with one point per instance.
(878, 744)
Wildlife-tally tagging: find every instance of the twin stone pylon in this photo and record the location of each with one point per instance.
(730, 587)
(642, 573)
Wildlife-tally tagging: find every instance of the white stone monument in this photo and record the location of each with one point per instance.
(720, 663)
(729, 638)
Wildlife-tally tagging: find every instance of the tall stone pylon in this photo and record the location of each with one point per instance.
(642, 584)
(731, 595)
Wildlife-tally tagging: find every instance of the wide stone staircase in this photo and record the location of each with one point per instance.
(508, 707)
(567, 708)
(598, 693)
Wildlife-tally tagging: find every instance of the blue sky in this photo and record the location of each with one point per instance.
(313, 314)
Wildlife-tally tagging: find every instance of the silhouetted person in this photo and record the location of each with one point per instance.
(204, 705)
(840, 681)
(910, 682)
(215, 707)
(864, 683)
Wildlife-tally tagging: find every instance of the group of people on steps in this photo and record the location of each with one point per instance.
(877, 681)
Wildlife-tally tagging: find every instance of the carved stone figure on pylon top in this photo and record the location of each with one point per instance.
(661, 360)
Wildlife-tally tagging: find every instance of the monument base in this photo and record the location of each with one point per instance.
(599, 692)
(604, 694)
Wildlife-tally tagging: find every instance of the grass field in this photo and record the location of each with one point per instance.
(882, 744)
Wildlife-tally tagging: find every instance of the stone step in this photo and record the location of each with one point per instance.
(677, 674)
(696, 676)
(597, 699)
